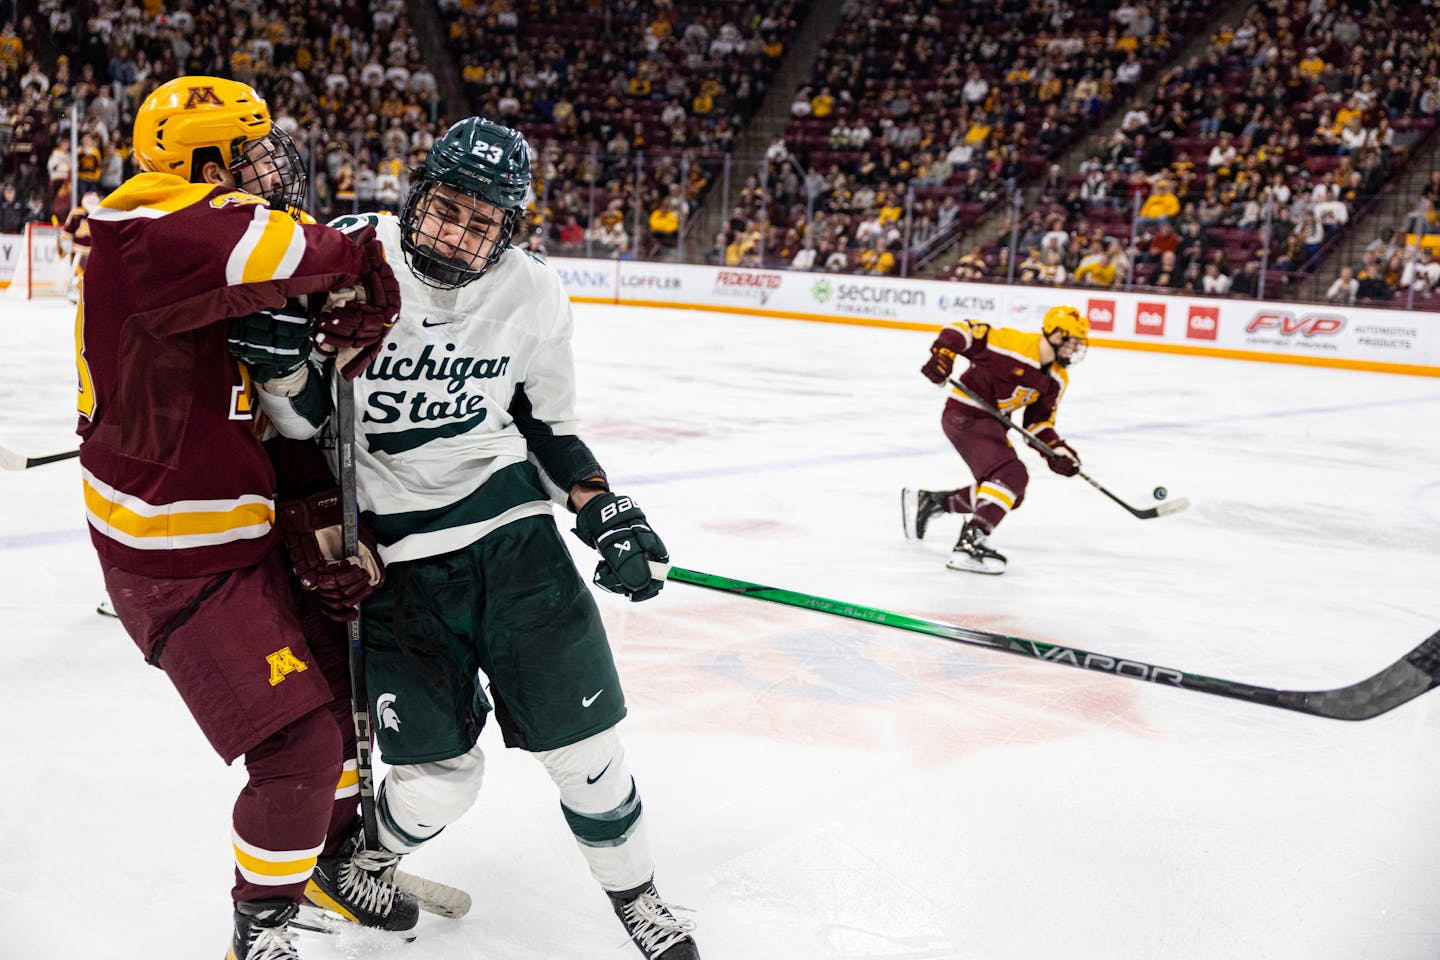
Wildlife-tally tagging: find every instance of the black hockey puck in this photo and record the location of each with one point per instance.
(1159, 493)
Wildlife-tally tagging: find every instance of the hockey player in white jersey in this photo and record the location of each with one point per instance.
(466, 431)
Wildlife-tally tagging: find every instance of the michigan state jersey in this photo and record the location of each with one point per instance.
(442, 460)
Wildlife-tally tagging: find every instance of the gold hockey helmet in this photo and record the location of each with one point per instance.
(1076, 330)
(188, 113)
(1068, 321)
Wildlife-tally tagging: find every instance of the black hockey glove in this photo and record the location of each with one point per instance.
(272, 343)
(616, 527)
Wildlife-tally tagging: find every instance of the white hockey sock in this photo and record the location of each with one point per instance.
(418, 800)
(603, 810)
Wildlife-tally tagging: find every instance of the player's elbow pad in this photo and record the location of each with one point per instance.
(952, 339)
(297, 407)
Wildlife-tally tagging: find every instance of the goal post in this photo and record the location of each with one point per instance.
(39, 266)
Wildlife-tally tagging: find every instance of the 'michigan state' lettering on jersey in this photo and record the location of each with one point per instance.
(442, 460)
(453, 372)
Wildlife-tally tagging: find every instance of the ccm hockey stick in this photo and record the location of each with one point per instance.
(1149, 513)
(350, 537)
(433, 897)
(10, 460)
(350, 540)
(1401, 682)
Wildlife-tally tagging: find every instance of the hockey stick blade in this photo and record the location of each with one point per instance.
(433, 896)
(1163, 509)
(1171, 506)
(1044, 449)
(10, 460)
(1404, 680)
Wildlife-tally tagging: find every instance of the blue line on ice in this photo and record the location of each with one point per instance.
(46, 538)
(43, 538)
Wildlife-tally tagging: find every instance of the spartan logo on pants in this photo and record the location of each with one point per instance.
(385, 707)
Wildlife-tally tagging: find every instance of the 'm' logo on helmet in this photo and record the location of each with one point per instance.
(202, 95)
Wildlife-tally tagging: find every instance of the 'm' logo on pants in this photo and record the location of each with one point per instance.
(283, 662)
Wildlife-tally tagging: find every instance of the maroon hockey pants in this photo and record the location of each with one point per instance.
(266, 678)
(1000, 477)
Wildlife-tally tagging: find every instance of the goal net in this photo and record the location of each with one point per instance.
(40, 267)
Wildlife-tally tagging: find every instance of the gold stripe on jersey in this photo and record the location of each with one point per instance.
(149, 196)
(270, 249)
(994, 492)
(181, 525)
(273, 868)
(349, 785)
(1062, 377)
(1024, 347)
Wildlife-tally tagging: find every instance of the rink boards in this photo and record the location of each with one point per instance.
(1389, 341)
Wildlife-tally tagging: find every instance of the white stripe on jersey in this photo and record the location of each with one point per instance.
(249, 240)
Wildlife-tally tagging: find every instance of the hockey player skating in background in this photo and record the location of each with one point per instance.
(1009, 369)
(474, 388)
(180, 494)
(74, 243)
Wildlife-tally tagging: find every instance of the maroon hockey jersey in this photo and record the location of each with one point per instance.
(176, 482)
(1005, 369)
(77, 228)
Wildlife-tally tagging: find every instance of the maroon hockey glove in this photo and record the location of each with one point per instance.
(942, 355)
(311, 528)
(937, 368)
(1066, 461)
(360, 325)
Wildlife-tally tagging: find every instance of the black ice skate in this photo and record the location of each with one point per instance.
(356, 884)
(973, 554)
(652, 924)
(263, 932)
(917, 509)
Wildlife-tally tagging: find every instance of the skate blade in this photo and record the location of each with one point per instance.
(909, 510)
(968, 564)
(314, 919)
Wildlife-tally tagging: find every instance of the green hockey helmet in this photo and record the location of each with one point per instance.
(464, 201)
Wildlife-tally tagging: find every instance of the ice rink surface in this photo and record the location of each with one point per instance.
(819, 788)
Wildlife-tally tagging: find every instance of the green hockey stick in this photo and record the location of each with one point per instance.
(1401, 682)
